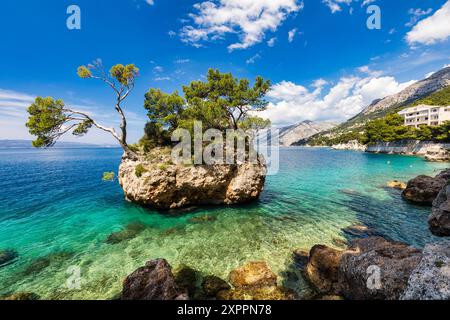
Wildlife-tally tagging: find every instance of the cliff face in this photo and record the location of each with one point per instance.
(302, 131)
(176, 186)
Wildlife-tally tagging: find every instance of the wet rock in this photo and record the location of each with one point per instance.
(253, 274)
(394, 260)
(186, 278)
(131, 231)
(423, 190)
(322, 269)
(340, 243)
(439, 221)
(154, 281)
(202, 219)
(212, 285)
(8, 257)
(301, 258)
(22, 296)
(360, 231)
(430, 280)
(395, 184)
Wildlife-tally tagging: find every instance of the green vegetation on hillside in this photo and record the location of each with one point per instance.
(386, 125)
(439, 98)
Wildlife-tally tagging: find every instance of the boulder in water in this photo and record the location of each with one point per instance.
(423, 190)
(253, 274)
(8, 257)
(439, 221)
(154, 281)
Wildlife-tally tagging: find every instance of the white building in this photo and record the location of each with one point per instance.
(425, 115)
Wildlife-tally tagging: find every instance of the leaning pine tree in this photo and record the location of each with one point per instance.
(50, 119)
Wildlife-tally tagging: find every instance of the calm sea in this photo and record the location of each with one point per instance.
(57, 213)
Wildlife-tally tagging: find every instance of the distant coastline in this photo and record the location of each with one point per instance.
(27, 144)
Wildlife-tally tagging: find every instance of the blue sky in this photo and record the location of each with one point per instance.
(323, 61)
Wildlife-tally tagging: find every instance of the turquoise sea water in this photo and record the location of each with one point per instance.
(56, 212)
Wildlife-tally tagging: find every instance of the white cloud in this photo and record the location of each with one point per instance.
(271, 42)
(416, 14)
(432, 29)
(182, 61)
(291, 103)
(336, 5)
(291, 34)
(367, 2)
(172, 33)
(253, 59)
(248, 19)
(162, 78)
(158, 69)
(150, 2)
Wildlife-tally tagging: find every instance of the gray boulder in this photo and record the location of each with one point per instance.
(431, 278)
(439, 220)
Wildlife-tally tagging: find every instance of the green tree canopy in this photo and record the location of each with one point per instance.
(223, 101)
(50, 119)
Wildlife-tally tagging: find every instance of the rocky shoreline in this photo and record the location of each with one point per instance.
(434, 152)
(437, 152)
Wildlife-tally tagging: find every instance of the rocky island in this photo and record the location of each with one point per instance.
(210, 113)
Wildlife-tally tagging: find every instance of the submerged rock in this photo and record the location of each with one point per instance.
(424, 189)
(154, 281)
(431, 278)
(186, 278)
(255, 281)
(439, 221)
(360, 231)
(40, 264)
(212, 285)
(301, 258)
(22, 296)
(395, 184)
(8, 257)
(253, 274)
(203, 218)
(180, 186)
(261, 294)
(131, 231)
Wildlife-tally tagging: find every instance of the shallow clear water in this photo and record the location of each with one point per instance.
(54, 205)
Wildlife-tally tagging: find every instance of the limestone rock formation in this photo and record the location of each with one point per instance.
(154, 281)
(354, 145)
(170, 186)
(424, 189)
(431, 278)
(439, 221)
